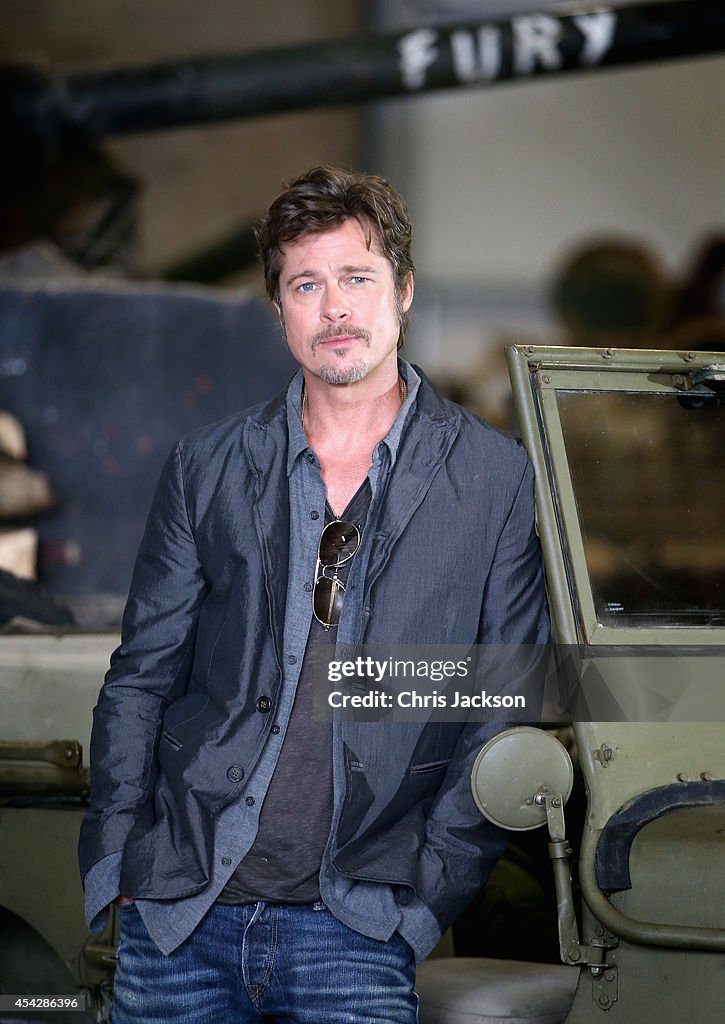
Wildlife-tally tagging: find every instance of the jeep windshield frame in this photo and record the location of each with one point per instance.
(627, 446)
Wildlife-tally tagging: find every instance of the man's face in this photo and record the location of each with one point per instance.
(338, 305)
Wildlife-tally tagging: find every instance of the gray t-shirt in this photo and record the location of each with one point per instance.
(283, 864)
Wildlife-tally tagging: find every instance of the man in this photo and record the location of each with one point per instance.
(267, 865)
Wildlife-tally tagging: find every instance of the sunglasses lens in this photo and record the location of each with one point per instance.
(327, 600)
(339, 541)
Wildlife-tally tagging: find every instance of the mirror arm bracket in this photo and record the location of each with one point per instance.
(571, 950)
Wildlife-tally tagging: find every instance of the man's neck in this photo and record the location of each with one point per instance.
(339, 418)
(343, 424)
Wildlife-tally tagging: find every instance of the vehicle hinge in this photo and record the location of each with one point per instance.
(578, 954)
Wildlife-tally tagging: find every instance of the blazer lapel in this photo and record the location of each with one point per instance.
(422, 452)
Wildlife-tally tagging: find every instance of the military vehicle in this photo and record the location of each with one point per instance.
(627, 449)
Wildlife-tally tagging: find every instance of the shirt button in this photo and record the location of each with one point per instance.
(314, 514)
(292, 660)
(249, 801)
(308, 587)
(275, 729)
(310, 457)
(226, 861)
(264, 704)
(235, 773)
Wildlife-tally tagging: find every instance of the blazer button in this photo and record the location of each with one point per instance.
(264, 704)
(235, 773)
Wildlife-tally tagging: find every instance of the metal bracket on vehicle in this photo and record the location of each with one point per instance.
(605, 987)
(712, 377)
(61, 753)
(55, 767)
(572, 951)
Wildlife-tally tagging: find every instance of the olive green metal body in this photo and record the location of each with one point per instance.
(642, 431)
(48, 688)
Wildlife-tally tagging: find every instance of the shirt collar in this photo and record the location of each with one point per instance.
(412, 383)
(298, 442)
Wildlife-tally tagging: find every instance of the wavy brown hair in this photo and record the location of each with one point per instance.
(321, 200)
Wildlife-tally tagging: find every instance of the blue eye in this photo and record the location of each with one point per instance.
(307, 287)
(357, 279)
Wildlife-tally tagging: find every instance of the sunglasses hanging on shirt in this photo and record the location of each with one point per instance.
(338, 543)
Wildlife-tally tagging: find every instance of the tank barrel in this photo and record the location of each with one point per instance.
(333, 73)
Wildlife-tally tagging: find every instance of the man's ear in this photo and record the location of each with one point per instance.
(280, 313)
(406, 293)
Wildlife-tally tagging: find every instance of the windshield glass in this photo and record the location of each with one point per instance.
(647, 473)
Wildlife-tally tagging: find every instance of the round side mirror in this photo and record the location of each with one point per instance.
(513, 774)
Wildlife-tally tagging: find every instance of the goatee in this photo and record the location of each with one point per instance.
(347, 375)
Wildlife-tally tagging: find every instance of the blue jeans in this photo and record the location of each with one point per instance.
(264, 963)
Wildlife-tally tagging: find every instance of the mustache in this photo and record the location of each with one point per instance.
(332, 332)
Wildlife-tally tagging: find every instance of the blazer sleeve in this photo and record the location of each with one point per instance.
(460, 846)
(148, 670)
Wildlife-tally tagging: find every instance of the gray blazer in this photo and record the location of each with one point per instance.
(455, 560)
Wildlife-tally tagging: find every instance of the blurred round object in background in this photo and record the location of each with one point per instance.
(612, 292)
